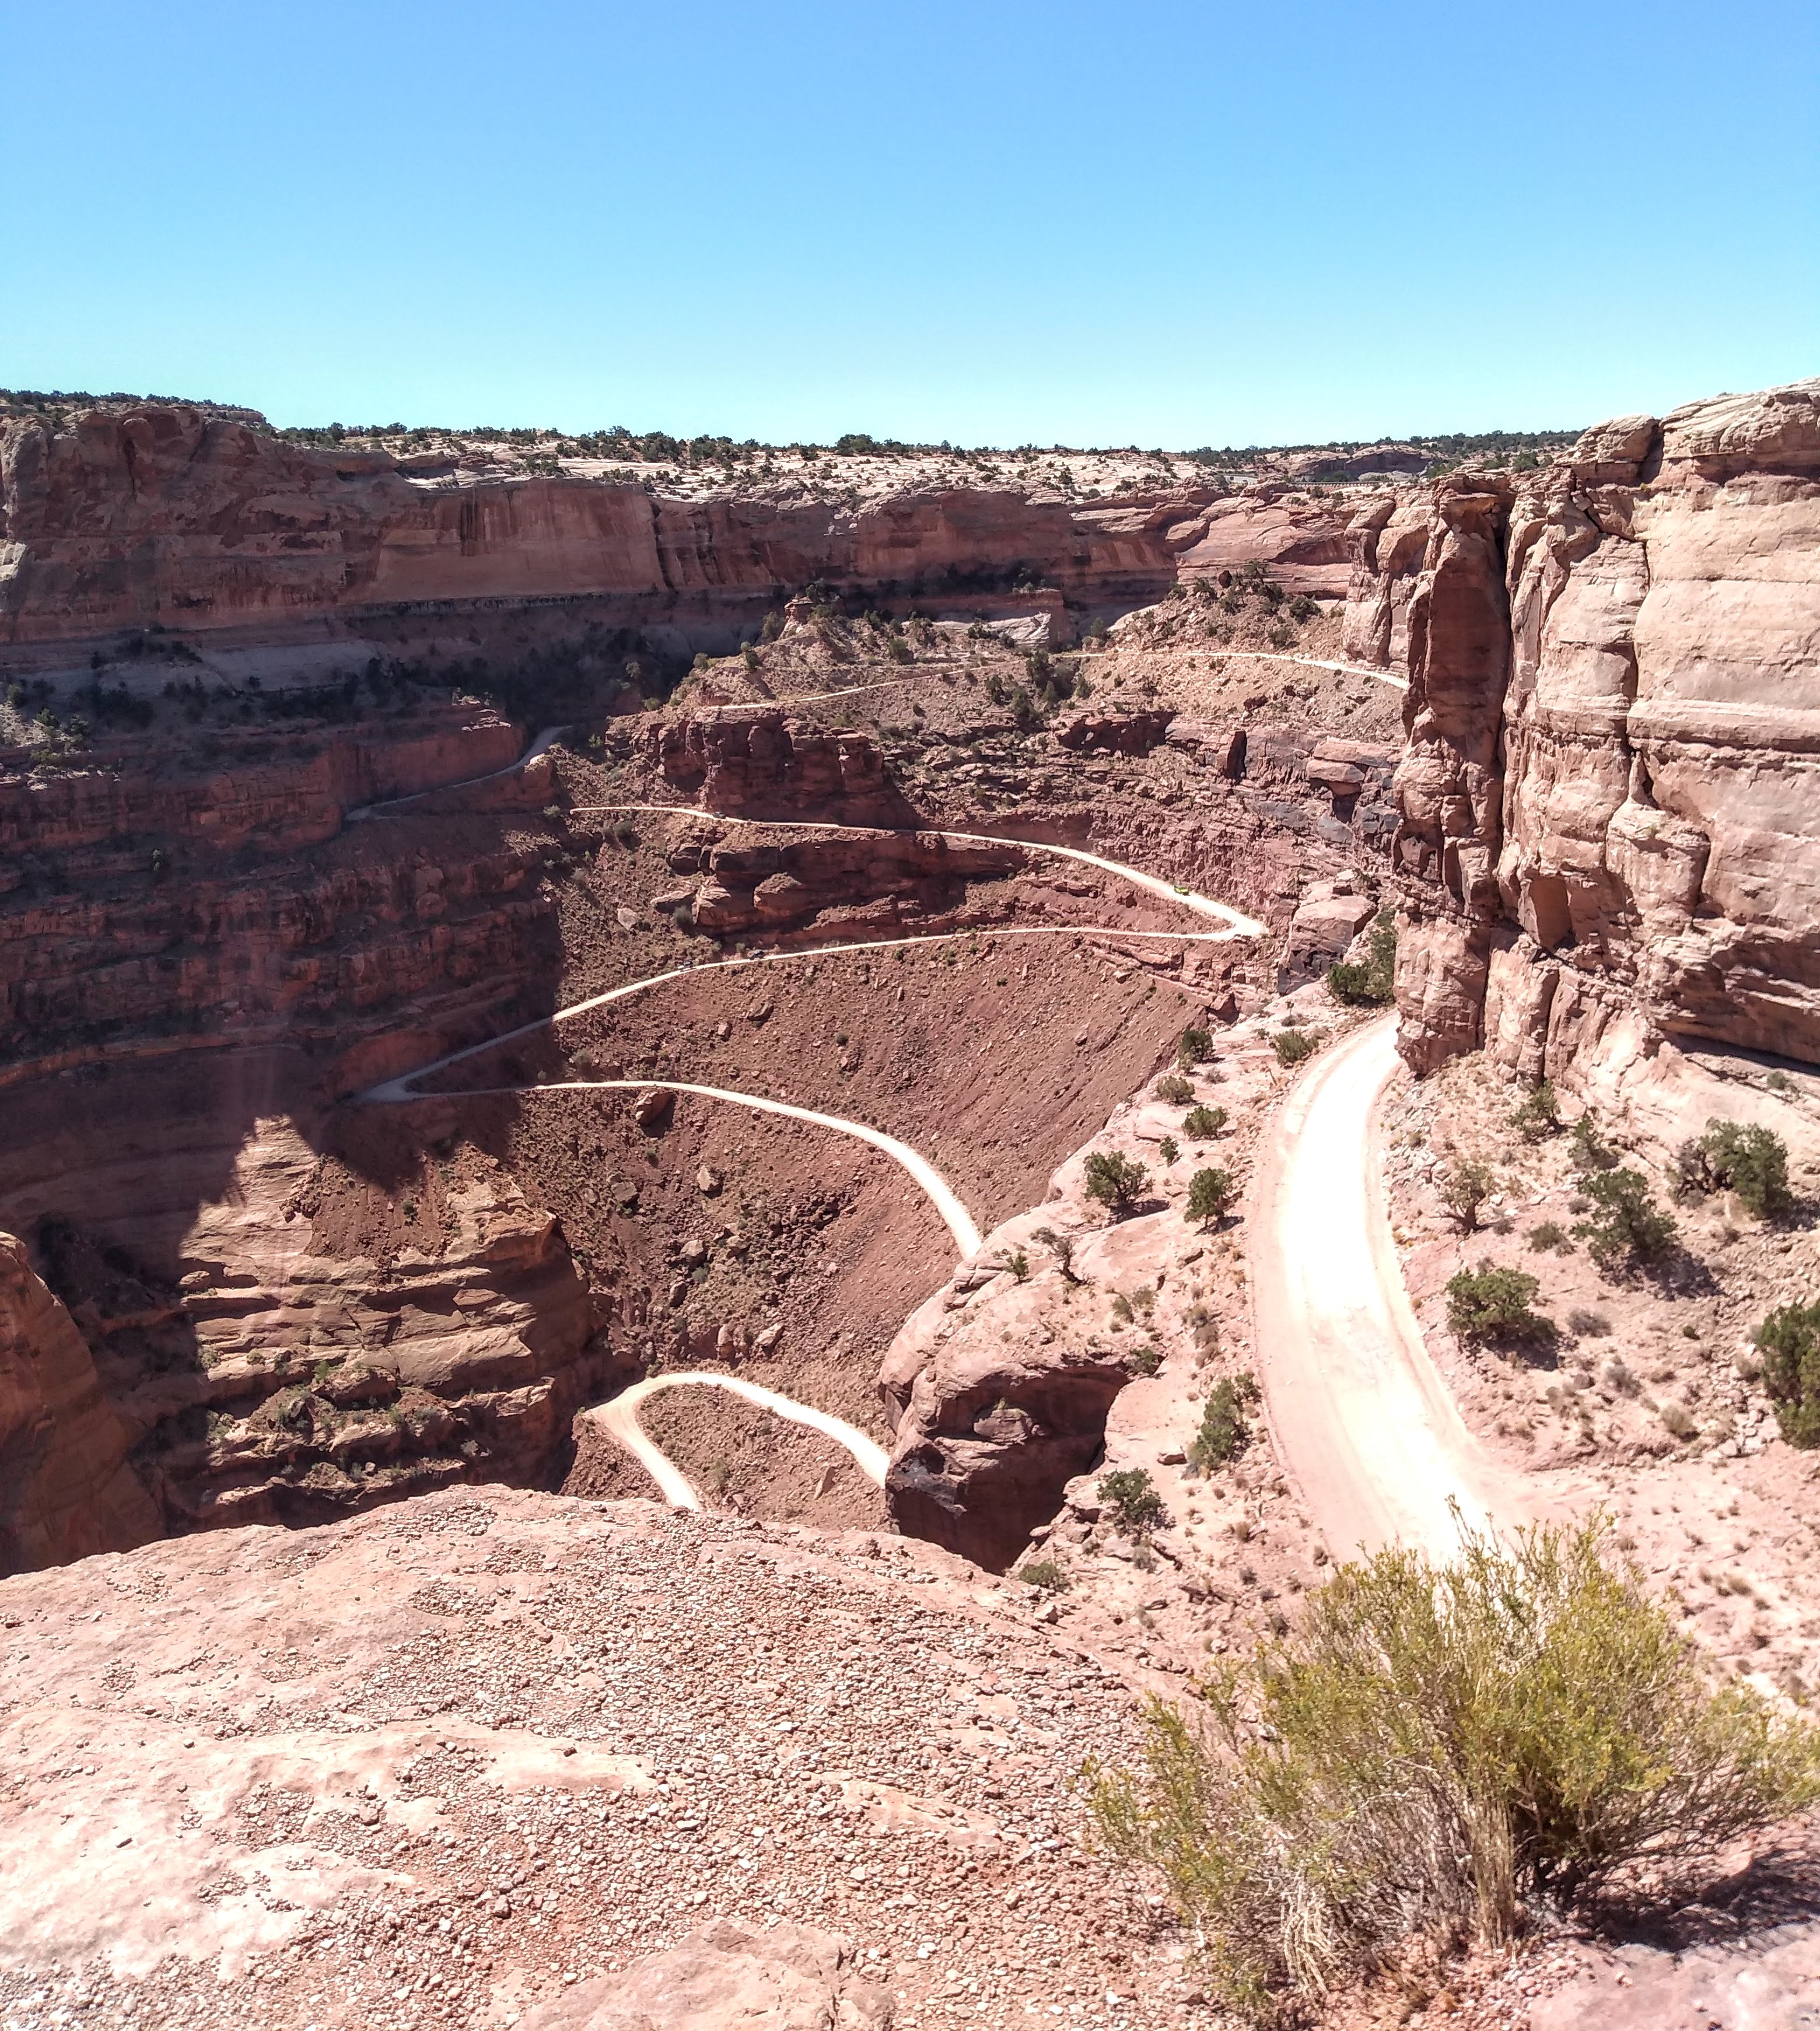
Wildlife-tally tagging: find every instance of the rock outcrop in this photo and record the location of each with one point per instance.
(838, 883)
(282, 1364)
(1606, 845)
(66, 1489)
(768, 764)
(171, 515)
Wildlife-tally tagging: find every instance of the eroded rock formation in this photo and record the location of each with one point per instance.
(66, 1489)
(170, 514)
(1605, 844)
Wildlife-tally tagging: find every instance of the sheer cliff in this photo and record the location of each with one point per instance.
(1605, 846)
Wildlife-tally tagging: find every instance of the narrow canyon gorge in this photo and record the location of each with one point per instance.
(615, 1346)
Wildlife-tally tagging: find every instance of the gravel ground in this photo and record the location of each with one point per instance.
(428, 1766)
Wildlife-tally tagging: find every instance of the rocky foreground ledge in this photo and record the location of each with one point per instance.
(494, 1755)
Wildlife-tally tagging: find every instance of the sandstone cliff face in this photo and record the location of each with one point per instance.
(66, 1489)
(279, 1360)
(165, 514)
(1607, 835)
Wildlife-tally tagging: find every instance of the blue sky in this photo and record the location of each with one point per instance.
(993, 222)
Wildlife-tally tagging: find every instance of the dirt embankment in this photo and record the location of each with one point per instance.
(743, 1460)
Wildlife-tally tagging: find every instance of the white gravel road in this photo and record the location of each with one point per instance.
(1360, 1417)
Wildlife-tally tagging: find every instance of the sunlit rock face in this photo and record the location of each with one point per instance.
(1606, 805)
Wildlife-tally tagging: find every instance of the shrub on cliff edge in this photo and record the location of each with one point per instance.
(1434, 1751)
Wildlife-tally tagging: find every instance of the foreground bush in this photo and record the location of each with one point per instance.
(1789, 1340)
(1436, 1749)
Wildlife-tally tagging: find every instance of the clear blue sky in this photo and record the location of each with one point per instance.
(994, 222)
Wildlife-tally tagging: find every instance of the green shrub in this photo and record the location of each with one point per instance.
(1535, 1120)
(1486, 1303)
(1751, 1161)
(1116, 1180)
(1131, 1495)
(1174, 1088)
(1195, 1048)
(1589, 1153)
(1202, 1125)
(1550, 1237)
(1169, 1149)
(1373, 984)
(1625, 1224)
(1293, 1045)
(1047, 1573)
(1789, 1340)
(1435, 1750)
(1210, 1192)
(1145, 1360)
(1465, 1190)
(1223, 1432)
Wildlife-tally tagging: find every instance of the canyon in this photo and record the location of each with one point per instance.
(483, 947)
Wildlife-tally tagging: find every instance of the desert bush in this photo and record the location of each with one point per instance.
(1168, 1149)
(1174, 1088)
(1145, 1360)
(1489, 1304)
(1750, 1160)
(1789, 1340)
(1677, 1420)
(1293, 1045)
(1210, 1192)
(1465, 1190)
(1373, 983)
(1623, 1224)
(1434, 1751)
(1223, 1432)
(1195, 1048)
(1548, 1237)
(1050, 1575)
(1589, 1153)
(1117, 1181)
(1535, 1119)
(1131, 1495)
(1588, 1325)
(1202, 1125)
(1061, 1245)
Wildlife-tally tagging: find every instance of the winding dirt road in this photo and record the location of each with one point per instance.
(1319, 663)
(1360, 1417)
(618, 1418)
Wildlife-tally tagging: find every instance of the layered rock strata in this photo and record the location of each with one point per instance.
(1605, 844)
(168, 514)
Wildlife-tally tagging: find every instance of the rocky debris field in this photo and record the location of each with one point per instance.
(435, 1764)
